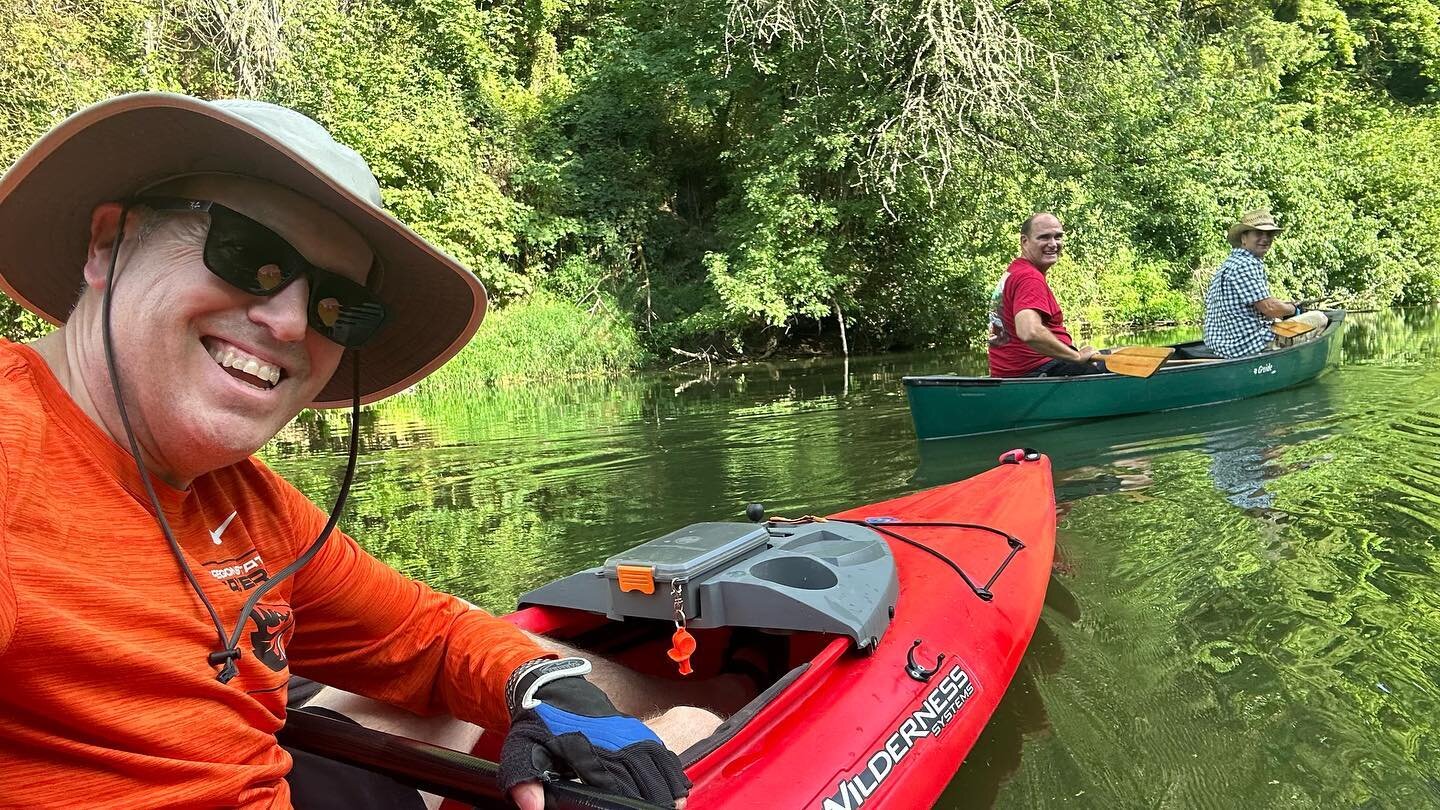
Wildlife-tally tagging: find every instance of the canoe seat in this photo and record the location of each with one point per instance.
(1194, 351)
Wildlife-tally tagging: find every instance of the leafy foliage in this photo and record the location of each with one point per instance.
(735, 175)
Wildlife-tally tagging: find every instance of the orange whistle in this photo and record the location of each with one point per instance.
(683, 646)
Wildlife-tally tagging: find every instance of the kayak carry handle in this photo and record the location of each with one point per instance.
(1018, 455)
(913, 668)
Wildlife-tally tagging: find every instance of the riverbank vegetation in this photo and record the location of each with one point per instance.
(542, 336)
(733, 178)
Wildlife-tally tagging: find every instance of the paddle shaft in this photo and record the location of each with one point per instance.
(429, 767)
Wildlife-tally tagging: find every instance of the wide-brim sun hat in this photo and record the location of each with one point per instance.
(114, 149)
(1257, 220)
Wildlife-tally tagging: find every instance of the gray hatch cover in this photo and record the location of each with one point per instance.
(825, 577)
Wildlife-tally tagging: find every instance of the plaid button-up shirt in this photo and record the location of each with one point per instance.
(1233, 327)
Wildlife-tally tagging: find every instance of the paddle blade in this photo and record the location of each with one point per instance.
(1162, 352)
(1290, 329)
(1137, 361)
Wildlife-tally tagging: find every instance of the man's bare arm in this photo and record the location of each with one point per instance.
(1031, 329)
(1273, 307)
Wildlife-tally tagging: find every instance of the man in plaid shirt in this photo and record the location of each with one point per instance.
(1239, 309)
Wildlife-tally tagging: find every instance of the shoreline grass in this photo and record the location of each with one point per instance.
(541, 338)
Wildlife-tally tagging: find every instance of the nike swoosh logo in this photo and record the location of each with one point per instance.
(215, 535)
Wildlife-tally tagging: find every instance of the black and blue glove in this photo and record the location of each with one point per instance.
(563, 725)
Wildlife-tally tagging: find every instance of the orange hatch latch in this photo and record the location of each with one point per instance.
(636, 578)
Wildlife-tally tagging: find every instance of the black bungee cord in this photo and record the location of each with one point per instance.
(983, 591)
(229, 653)
(881, 525)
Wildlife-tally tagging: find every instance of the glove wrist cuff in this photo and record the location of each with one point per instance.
(527, 679)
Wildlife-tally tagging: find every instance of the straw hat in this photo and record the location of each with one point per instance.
(1257, 220)
(118, 147)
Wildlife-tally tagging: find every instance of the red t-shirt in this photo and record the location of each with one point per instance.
(1022, 286)
(106, 698)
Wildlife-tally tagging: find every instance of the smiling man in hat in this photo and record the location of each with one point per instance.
(1239, 310)
(215, 268)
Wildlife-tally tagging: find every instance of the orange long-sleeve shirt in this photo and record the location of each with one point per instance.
(106, 697)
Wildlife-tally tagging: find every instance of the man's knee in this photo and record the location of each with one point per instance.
(1315, 319)
(683, 726)
(687, 716)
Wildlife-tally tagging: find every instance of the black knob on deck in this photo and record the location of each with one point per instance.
(755, 512)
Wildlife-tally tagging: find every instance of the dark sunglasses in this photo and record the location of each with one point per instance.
(255, 259)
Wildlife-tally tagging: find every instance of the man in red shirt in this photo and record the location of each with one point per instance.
(1027, 328)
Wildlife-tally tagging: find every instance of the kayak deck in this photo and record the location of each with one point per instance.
(845, 720)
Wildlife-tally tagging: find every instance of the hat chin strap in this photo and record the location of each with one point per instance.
(229, 653)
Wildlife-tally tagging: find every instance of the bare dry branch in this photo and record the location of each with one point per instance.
(951, 67)
(247, 37)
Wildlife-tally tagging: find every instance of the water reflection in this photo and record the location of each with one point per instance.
(1244, 608)
(492, 493)
(1233, 429)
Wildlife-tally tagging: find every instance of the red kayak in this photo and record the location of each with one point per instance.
(892, 630)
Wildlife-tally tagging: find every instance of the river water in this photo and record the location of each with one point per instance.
(1245, 606)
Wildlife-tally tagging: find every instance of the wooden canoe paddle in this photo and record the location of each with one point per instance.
(1137, 361)
(1290, 329)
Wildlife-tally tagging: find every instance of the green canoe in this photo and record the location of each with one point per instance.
(946, 405)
